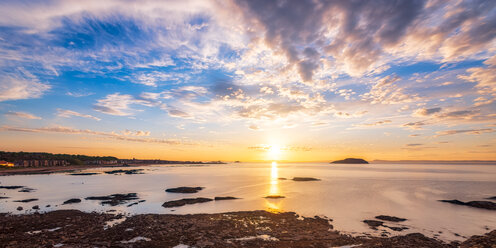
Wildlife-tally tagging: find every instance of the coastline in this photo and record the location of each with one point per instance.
(51, 169)
(73, 228)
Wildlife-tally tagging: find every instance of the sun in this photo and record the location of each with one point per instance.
(274, 152)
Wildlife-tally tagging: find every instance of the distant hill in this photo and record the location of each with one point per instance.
(350, 161)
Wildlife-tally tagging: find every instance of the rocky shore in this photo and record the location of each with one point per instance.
(72, 228)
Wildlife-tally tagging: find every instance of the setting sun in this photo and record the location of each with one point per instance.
(274, 152)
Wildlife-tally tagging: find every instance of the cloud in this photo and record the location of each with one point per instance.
(415, 144)
(123, 136)
(120, 105)
(14, 87)
(23, 115)
(377, 123)
(485, 77)
(254, 127)
(415, 125)
(465, 131)
(266, 148)
(461, 114)
(387, 91)
(135, 133)
(69, 113)
(426, 111)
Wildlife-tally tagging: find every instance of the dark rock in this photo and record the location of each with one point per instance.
(47, 206)
(19, 208)
(274, 197)
(282, 178)
(27, 200)
(492, 198)
(374, 223)
(115, 199)
(135, 203)
(36, 207)
(390, 218)
(127, 172)
(305, 179)
(221, 198)
(4, 197)
(476, 204)
(185, 201)
(11, 187)
(84, 174)
(27, 190)
(71, 201)
(184, 190)
(396, 228)
(350, 161)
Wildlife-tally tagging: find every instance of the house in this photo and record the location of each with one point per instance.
(6, 164)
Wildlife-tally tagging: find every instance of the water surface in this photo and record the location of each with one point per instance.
(347, 194)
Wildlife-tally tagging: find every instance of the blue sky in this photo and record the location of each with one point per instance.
(230, 79)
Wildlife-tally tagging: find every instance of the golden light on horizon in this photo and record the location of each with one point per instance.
(274, 152)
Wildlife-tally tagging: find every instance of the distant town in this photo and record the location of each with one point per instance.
(40, 159)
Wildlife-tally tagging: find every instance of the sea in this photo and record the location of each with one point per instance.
(347, 194)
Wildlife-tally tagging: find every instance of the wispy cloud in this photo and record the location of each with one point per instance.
(23, 115)
(69, 113)
(124, 136)
(16, 87)
(465, 131)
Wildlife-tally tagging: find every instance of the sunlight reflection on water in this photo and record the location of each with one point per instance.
(274, 205)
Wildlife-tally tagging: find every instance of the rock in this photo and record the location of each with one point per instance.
(115, 199)
(282, 178)
(47, 206)
(492, 198)
(27, 200)
(304, 179)
(84, 174)
(135, 203)
(27, 190)
(274, 197)
(476, 204)
(184, 190)
(4, 197)
(350, 161)
(11, 187)
(185, 201)
(127, 172)
(390, 218)
(19, 208)
(221, 198)
(36, 207)
(396, 228)
(71, 201)
(373, 223)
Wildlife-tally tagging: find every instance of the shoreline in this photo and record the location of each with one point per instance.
(73, 228)
(49, 170)
(71, 168)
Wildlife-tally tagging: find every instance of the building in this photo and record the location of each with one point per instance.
(6, 164)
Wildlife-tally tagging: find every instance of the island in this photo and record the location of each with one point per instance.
(350, 161)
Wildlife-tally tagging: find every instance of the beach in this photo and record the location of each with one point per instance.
(72, 228)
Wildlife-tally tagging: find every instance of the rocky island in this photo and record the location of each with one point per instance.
(350, 161)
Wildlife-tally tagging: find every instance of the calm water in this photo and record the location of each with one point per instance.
(346, 193)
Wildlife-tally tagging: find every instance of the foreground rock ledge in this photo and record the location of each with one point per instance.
(73, 228)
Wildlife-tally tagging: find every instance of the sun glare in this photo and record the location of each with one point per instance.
(274, 152)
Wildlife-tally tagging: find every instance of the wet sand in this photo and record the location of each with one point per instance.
(73, 228)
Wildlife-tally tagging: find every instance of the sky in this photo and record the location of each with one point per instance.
(302, 80)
